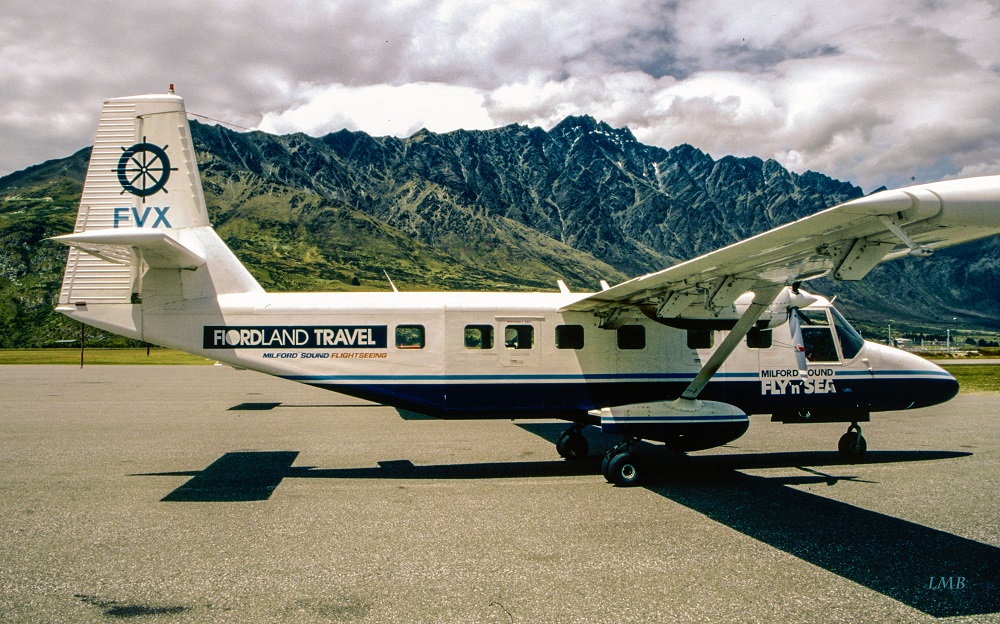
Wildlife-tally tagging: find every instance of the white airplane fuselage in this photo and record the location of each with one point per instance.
(453, 355)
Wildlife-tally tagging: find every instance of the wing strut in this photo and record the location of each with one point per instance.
(915, 249)
(765, 295)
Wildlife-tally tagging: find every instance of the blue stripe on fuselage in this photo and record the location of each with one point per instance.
(565, 395)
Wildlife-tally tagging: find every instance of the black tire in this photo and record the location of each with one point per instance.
(605, 463)
(572, 445)
(852, 446)
(624, 470)
(562, 445)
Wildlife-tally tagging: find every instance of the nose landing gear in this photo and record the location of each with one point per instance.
(852, 445)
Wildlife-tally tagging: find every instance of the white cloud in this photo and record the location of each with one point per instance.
(382, 110)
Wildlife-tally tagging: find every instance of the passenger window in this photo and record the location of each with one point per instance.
(700, 338)
(759, 338)
(631, 337)
(519, 337)
(409, 336)
(569, 336)
(478, 336)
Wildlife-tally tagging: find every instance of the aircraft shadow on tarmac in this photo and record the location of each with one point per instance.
(269, 406)
(930, 570)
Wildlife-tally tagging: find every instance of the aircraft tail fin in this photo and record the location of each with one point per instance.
(142, 231)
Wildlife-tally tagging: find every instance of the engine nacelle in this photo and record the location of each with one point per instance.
(683, 424)
(777, 313)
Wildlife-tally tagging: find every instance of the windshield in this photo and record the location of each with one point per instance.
(850, 340)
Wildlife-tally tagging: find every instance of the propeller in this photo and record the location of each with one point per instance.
(798, 344)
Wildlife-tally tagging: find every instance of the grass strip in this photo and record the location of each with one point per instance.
(975, 378)
(97, 357)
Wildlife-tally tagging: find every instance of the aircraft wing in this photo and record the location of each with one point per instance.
(846, 241)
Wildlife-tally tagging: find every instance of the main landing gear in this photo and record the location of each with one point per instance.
(852, 445)
(621, 465)
(571, 444)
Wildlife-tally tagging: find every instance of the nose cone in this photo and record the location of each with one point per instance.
(911, 381)
(941, 386)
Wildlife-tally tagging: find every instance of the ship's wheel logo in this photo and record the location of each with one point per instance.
(143, 169)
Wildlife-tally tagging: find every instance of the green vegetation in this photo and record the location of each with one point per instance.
(31, 268)
(99, 356)
(293, 240)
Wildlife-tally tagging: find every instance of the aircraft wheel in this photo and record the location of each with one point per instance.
(605, 463)
(623, 469)
(621, 447)
(572, 445)
(852, 445)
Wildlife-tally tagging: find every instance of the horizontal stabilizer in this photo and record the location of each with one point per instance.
(156, 247)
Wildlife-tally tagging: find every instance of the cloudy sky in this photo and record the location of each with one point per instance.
(871, 92)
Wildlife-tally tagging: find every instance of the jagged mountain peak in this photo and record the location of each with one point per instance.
(686, 153)
(576, 125)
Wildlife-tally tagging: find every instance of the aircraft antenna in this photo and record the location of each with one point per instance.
(219, 121)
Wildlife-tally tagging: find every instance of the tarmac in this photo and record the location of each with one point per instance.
(206, 494)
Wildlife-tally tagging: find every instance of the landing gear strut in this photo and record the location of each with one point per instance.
(572, 444)
(621, 465)
(852, 445)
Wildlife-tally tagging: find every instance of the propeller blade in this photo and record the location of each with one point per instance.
(798, 345)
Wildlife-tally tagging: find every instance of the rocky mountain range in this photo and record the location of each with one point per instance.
(509, 208)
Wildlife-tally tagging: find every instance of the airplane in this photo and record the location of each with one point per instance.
(680, 356)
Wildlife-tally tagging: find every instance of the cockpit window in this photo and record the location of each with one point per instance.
(819, 345)
(817, 336)
(817, 339)
(850, 340)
